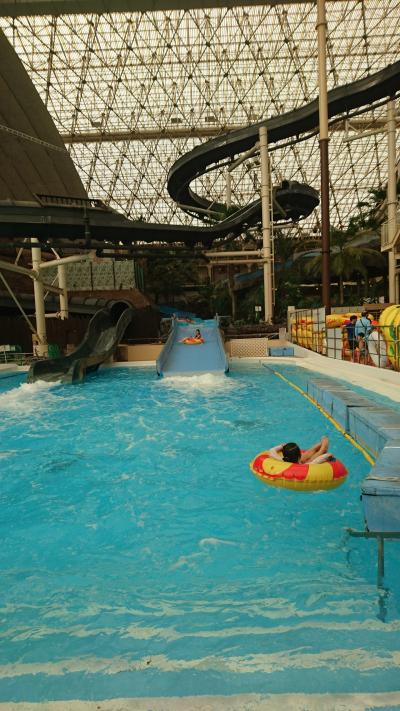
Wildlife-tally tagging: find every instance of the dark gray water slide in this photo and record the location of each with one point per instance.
(343, 101)
(103, 334)
(56, 220)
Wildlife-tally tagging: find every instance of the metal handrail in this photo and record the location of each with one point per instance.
(16, 357)
(221, 345)
(167, 349)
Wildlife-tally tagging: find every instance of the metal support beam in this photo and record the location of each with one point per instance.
(158, 134)
(228, 198)
(202, 210)
(20, 8)
(266, 224)
(31, 273)
(372, 126)
(245, 156)
(323, 146)
(237, 253)
(10, 291)
(62, 283)
(187, 131)
(219, 262)
(26, 137)
(380, 539)
(11, 267)
(392, 202)
(64, 260)
(41, 346)
(50, 287)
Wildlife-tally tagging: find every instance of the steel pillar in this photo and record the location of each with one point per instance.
(266, 224)
(62, 283)
(228, 179)
(41, 346)
(392, 201)
(323, 147)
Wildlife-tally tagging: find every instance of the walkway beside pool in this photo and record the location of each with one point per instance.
(378, 380)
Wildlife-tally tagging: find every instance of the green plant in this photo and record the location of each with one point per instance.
(347, 259)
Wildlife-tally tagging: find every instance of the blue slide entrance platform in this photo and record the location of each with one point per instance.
(179, 358)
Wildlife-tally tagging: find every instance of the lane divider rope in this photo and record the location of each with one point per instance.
(351, 439)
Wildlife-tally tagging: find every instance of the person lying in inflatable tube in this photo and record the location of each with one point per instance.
(287, 467)
(193, 340)
(291, 452)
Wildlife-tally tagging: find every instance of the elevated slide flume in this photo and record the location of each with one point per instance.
(50, 217)
(179, 358)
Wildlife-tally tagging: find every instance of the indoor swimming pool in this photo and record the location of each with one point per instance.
(140, 557)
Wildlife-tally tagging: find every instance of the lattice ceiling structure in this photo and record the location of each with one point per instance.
(131, 92)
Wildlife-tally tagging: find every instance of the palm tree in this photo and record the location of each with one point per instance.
(348, 257)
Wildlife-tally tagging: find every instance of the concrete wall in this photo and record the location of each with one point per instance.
(246, 347)
(138, 352)
(234, 348)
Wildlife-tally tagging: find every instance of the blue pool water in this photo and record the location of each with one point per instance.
(140, 557)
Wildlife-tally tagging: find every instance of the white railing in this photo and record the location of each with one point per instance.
(15, 357)
(311, 329)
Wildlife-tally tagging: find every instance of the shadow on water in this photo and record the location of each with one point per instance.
(383, 597)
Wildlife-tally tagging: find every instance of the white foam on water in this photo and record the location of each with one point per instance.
(8, 453)
(27, 398)
(166, 632)
(215, 542)
(361, 659)
(206, 383)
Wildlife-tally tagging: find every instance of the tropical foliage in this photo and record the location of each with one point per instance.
(167, 278)
(348, 260)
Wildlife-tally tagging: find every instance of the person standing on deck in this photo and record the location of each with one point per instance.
(363, 325)
(349, 330)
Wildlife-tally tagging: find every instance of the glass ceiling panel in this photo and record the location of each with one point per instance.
(174, 73)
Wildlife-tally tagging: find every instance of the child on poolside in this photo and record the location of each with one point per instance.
(291, 452)
(362, 348)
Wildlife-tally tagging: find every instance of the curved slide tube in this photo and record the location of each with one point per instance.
(342, 100)
(177, 358)
(100, 341)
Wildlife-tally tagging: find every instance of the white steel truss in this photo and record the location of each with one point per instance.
(131, 92)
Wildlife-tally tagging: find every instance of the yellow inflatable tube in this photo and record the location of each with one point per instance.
(192, 341)
(389, 324)
(298, 477)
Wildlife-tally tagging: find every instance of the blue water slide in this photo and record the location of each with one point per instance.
(178, 358)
